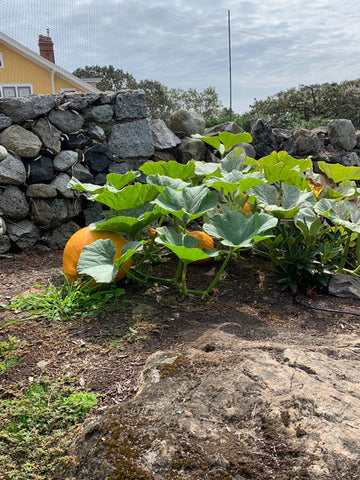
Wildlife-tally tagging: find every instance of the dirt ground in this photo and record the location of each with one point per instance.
(106, 354)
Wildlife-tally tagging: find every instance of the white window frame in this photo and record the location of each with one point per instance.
(1, 60)
(68, 90)
(16, 85)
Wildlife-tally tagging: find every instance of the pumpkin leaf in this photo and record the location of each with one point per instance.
(235, 160)
(114, 182)
(129, 197)
(184, 246)
(237, 230)
(96, 261)
(229, 139)
(191, 201)
(338, 213)
(213, 141)
(171, 169)
(338, 172)
(235, 180)
(202, 168)
(162, 181)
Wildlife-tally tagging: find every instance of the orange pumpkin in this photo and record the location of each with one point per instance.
(84, 237)
(205, 242)
(247, 208)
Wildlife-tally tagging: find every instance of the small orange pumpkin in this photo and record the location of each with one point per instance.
(205, 242)
(246, 208)
(84, 237)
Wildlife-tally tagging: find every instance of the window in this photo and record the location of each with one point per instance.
(1, 60)
(12, 90)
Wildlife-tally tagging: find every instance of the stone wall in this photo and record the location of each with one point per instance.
(45, 140)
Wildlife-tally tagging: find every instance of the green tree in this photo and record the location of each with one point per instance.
(112, 79)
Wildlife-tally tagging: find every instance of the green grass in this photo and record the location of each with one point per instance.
(38, 426)
(63, 303)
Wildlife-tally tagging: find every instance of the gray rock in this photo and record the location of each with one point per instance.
(107, 98)
(12, 171)
(13, 203)
(99, 114)
(186, 121)
(3, 153)
(24, 234)
(264, 140)
(49, 135)
(92, 213)
(81, 173)
(130, 105)
(97, 133)
(79, 101)
(2, 226)
(5, 244)
(76, 141)
(306, 141)
(61, 182)
(164, 156)
(40, 170)
(41, 190)
(284, 140)
(26, 108)
(51, 213)
(5, 121)
(66, 121)
(57, 238)
(351, 159)
(192, 149)
(231, 127)
(342, 134)
(120, 167)
(131, 139)
(248, 148)
(20, 141)
(358, 139)
(163, 137)
(98, 158)
(345, 286)
(65, 160)
(279, 411)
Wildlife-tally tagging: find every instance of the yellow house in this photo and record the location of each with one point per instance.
(24, 72)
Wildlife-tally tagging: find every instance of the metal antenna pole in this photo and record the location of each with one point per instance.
(230, 111)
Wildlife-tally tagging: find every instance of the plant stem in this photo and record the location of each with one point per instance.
(345, 253)
(220, 271)
(358, 250)
(183, 279)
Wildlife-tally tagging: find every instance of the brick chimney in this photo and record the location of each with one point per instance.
(46, 47)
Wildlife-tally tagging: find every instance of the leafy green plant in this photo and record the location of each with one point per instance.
(62, 303)
(321, 214)
(38, 425)
(7, 357)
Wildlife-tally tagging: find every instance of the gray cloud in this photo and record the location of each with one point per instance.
(181, 43)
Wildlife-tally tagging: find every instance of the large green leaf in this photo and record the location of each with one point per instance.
(213, 141)
(265, 195)
(338, 172)
(235, 180)
(162, 181)
(235, 160)
(129, 197)
(229, 139)
(203, 168)
(239, 231)
(338, 213)
(114, 182)
(184, 246)
(121, 180)
(191, 201)
(96, 260)
(171, 169)
(130, 221)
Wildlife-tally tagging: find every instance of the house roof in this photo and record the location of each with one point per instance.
(36, 58)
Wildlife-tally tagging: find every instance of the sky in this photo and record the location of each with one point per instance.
(275, 44)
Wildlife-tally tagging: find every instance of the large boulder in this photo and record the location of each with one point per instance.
(230, 127)
(186, 123)
(130, 105)
(192, 149)
(230, 408)
(342, 134)
(12, 171)
(49, 135)
(20, 141)
(66, 121)
(40, 170)
(307, 142)
(13, 203)
(99, 114)
(26, 108)
(163, 137)
(51, 213)
(131, 139)
(264, 140)
(24, 234)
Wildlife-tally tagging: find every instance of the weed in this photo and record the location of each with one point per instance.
(63, 303)
(38, 426)
(7, 359)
